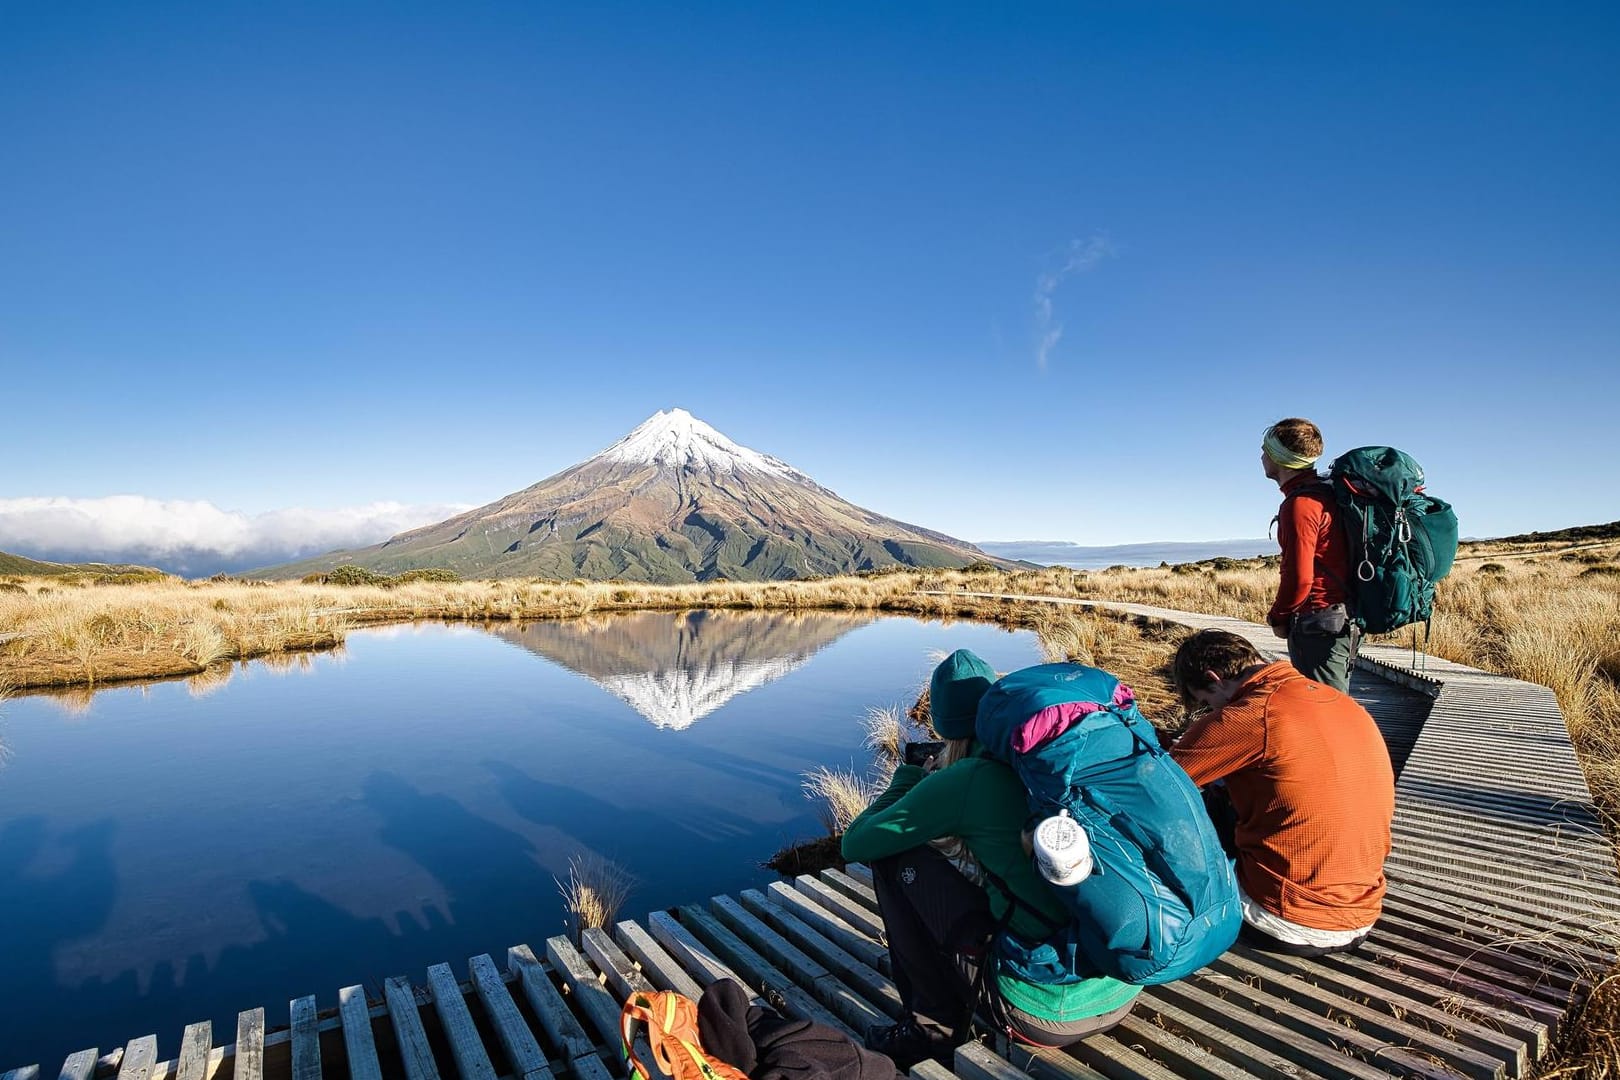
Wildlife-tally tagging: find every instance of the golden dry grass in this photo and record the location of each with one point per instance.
(594, 891)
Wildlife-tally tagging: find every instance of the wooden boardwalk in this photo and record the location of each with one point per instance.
(1504, 902)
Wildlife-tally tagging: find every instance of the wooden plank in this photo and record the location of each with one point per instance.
(1117, 1061)
(976, 1061)
(599, 1007)
(466, 1046)
(621, 973)
(1046, 1064)
(836, 902)
(1412, 974)
(405, 1017)
(1307, 1055)
(828, 988)
(866, 981)
(854, 1017)
(359, 1047)
(27, 1072)
(1184, 1058)
(835, 929)
(522, 1051)
(195, 1043)
(249, 1045)
(1219, 1041)
(656, 964)
(693, 955)
(929, 1069)
(306, 1039)
(80, 1066)
(1513, 1053)
(859, 891)
(555, 1019)
(1314, 1037)
(860, 872)
(139, 1057)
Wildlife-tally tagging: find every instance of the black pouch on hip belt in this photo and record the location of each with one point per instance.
(1324, 622)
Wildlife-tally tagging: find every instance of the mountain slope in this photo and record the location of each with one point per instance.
(672, 501)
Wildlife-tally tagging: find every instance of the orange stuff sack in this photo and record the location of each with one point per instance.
(671, 1020)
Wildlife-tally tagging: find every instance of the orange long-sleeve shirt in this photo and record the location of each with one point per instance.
(1315, 553)
(1310, 779)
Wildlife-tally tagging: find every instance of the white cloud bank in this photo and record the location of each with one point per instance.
(196, 538)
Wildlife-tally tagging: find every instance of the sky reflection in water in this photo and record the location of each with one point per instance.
(183, 850)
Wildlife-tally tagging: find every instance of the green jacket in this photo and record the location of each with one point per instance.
(982, 802)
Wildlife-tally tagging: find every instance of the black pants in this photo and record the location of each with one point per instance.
(938, 924)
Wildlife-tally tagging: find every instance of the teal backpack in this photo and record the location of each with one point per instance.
(1161, 901)
(1402, 541)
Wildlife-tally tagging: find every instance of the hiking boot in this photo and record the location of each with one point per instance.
(907, 1043)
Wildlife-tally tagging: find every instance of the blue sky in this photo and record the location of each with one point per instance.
(1010, 271)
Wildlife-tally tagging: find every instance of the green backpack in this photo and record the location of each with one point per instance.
(1402, 541)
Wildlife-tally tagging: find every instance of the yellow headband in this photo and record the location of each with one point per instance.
(1281, 455)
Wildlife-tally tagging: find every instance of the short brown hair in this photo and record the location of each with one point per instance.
(1218, 651)
(1299, 435)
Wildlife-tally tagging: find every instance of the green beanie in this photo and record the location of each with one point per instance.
(954, 692)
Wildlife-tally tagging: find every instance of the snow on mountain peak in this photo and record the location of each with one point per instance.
(677, 439)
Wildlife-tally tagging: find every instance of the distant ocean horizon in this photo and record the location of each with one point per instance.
(1080, 557)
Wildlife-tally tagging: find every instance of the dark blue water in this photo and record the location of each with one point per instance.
(181, 851)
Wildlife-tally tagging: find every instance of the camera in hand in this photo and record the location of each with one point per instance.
(918, 753)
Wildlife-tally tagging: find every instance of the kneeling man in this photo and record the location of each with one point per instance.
(1311, 790)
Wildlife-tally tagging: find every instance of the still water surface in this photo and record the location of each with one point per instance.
(183, 850)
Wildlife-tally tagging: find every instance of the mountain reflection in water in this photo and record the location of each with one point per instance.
(677, 669)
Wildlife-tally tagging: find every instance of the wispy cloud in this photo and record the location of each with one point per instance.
(195, 538)
(1080, 256)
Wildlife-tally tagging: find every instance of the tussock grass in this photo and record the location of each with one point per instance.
(594, 891)
(843, 793)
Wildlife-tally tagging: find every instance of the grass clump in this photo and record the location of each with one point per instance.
(594, 891)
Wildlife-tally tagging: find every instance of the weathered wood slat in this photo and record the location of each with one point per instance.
(656, 964)
(250, 1045)
(1219, 1041)
(306, 1039)
(1182, 1058)
(835, 929)
(358, 1044)
(865, 980)
(975, 1061)
(1310, 1055)
(928, 1069)
(1466, 987)
(80, 1066)
(859, 891)
(836, 902)
(472, 1060)
(1510, 1051)
(555, 1019)
(405, 1014)
(599, 1007)
(26, 1072)
(140, 1055)
(693, 955)
(195, 1043)
(1117, 1061)
(1051, 1065)
(860, 872)
(522, 1051)
(844, 1011)
(622, 975)
(1314, 1037)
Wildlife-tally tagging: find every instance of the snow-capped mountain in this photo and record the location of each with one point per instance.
(672, 501)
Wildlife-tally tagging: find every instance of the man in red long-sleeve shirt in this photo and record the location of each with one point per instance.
(1311, 607)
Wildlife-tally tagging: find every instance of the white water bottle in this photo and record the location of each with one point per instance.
(1062, 850)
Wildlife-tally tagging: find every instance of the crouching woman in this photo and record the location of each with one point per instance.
(946, 847)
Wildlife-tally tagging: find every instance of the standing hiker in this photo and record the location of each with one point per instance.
(1311, 607)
